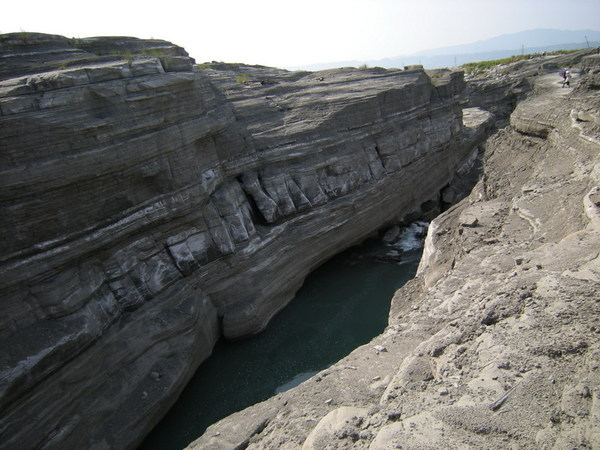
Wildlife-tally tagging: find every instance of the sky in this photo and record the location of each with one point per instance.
(289, 34)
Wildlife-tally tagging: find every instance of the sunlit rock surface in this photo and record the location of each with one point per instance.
(150, 205)
(496, 342)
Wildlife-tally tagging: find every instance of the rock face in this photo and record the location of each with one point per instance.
(496, 342)
(150, 206)
(502, 87)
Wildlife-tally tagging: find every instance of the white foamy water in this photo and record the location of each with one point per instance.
(412, 237)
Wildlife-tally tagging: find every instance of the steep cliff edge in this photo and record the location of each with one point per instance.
(496, 342)
(149, 206)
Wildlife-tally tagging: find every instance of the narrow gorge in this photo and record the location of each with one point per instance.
(152, 206)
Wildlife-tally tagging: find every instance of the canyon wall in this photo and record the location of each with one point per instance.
(151, 205)
(495, 343)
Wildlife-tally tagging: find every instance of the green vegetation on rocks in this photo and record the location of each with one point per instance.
(479, 67)
(242, 78)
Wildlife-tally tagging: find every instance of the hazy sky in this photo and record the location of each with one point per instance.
(292, 33)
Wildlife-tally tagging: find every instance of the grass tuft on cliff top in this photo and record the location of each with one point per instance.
(480, 67)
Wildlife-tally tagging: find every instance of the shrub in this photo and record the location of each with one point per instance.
(25, 36)
(127, 55)
(154, 52)
(242, 78)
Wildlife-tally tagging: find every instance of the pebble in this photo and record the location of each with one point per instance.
(585, 392)
(504, 365)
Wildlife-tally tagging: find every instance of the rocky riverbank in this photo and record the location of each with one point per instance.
(496, 342)
(151, 205)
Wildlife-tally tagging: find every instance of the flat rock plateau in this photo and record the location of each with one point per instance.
(151, 205)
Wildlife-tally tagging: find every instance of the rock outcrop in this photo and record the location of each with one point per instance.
(150, 205)
(496, 342)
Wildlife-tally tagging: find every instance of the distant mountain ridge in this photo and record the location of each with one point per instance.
(529, 39)
(503, 46)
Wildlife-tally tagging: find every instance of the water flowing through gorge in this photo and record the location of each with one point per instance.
(342, 305)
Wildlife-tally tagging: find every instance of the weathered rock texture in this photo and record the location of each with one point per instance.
(149, 206)
(496, 342)
(502, 87)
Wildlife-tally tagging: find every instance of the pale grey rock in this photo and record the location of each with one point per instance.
(334, 422)
(176, 64)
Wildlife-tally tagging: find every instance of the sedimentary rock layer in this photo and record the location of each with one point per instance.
(496, 342)
(150, 205)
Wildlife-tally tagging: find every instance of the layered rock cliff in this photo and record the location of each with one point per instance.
(150, 205)
(496, 342)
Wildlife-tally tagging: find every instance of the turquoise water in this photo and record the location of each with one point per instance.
(342, 305)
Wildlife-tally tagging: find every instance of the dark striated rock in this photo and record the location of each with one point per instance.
(149, 206)
(499, 95)
(28, 53)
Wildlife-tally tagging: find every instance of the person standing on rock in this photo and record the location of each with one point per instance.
(567, 79)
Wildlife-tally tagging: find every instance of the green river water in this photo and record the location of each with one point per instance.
(342, 305)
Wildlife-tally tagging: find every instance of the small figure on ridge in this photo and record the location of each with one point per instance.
(566, 78)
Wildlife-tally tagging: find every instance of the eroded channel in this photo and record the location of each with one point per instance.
(342, 305)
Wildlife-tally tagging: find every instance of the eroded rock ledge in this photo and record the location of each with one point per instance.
(496, 342)
(150, 205)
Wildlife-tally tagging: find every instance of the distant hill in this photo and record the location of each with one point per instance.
(530, 41)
